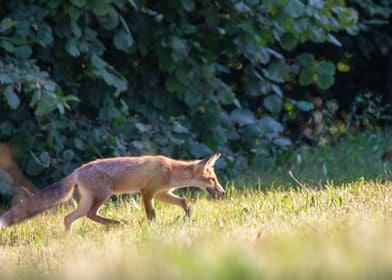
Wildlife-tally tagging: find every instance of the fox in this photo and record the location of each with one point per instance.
(154, 177)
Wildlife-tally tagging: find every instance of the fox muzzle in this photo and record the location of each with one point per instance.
(215, 193)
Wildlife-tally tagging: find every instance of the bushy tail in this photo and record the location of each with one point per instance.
(45, 199)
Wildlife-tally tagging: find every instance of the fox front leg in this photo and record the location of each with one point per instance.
(148, 199)
(171, 198)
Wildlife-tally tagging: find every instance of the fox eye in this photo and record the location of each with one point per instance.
(211, 180)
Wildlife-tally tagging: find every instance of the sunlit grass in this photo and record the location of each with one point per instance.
(340, 232)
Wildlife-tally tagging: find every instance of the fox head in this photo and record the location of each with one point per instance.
(204, 176)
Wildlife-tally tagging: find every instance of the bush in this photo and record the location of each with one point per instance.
(82, 79)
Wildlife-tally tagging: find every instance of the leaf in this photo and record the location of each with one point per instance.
(325, 68)
(295, 8)
(112, 80)
(79, 3)
(73, 12)
(18, 39)
(273, 103)
(306, 59)
(7, 23)
(347, 17)
(72, 47)
(135, 4)
(325, 74)
(198, 149)
(306, 76)
(225, 95)
(111, 20)
(37, 165)
(5, 79)
(33, 168)
(79, 144)
(44, 36)
(166, 61)
(179, 48)
(44, 159)
(23, 28)
(123, 40)
(269, 123)
(172, 84)
(191, 98)
(242, 116)
(97, 62)
(282, 142)
(76, 29)
(332, 39)
(304, 106)
(188, 5)
(324, 82)
(99, 7)
(44, 106)
(319, 4)
(23, 52)
(242, 7)
(253, 87)
(253, 2)
(179, 128)
(53, 4)
(11, 97)
(6, 128)
(8, 46)
(186, 29)
(288, 41)
(277, 71)
(68, 154)
(264, 55)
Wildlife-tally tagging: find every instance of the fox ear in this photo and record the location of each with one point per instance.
(206, 163)
(211, 160)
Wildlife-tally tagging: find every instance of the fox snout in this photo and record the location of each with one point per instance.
(215, 192)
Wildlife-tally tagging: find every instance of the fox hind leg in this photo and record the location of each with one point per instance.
(83, 209)
(93, 213)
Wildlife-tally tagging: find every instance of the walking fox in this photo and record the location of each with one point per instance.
(151, 176)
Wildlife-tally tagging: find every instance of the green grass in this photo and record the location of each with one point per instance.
(320, 231)
(345, 160)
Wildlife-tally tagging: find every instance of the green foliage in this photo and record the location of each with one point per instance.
(83, 79)
(368, 110)
(362, 88)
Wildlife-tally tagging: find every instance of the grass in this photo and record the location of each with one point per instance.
(321, 230)
(345, 160)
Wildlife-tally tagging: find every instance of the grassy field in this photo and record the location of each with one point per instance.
(336, 225)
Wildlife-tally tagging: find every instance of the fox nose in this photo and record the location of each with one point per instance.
(220, 192)
(216, 192)
(221, 189)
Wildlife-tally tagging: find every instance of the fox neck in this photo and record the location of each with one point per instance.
(181, 175)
